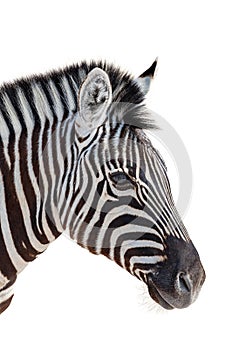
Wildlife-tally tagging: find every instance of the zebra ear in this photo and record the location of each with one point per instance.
(144, 80)
(95, 96)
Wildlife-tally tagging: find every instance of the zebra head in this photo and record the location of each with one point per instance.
(123, 203)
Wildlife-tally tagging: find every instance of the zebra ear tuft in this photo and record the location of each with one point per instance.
(144, 80)
(95, 96)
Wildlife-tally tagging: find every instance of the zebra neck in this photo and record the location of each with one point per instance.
(37, 131)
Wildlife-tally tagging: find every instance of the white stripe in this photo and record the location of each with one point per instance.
(51, 148)
(44, 112)
(68, 92)
(67, 208)
(6, 294)
(3, 280)
(115, 144)
(83, 183)
(67, 150)
(59, 110)
(152, 260)
(5, 133)
(137, 244)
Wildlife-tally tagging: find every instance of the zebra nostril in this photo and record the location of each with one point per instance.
(184, 283)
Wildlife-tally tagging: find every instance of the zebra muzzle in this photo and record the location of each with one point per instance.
(157, 296)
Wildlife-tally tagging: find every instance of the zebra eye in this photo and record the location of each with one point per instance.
(122, 181)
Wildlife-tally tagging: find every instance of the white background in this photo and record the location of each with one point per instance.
(69, 298)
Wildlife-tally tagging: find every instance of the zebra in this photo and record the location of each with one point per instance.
(74, 156)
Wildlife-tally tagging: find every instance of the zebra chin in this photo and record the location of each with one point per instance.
(156, 295)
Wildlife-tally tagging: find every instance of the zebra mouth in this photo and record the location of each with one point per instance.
(156, 295)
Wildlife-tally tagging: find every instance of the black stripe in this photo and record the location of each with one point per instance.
(26, 180)
(15, 218)
(147, 251)
(6, 266)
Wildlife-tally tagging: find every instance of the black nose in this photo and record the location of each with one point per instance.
(184, 283)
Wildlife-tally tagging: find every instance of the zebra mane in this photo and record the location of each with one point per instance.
(128, 97)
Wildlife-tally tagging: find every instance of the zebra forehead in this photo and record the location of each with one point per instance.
(118, 143)
(142, 139)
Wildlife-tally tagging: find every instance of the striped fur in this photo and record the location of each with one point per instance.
(53, 178)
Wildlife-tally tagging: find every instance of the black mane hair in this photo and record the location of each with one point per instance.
(128, 97)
